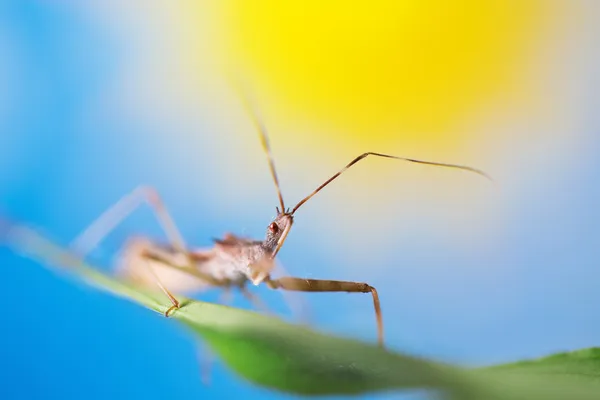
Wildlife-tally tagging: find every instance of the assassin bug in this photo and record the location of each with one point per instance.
(233, 261)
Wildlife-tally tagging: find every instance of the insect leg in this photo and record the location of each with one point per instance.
(162, 287)
(226, 296)
(320, 285)
(254, 299)
(107, 221)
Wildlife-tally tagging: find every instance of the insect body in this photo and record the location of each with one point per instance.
(233, 261)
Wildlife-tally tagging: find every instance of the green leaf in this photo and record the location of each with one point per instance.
(295, 359)
(581, 366)
(569, 375)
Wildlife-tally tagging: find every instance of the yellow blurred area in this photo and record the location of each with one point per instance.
(380, 72)
(444, 81)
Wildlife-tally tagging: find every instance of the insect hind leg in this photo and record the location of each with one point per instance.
(101, 227)
(116, 214)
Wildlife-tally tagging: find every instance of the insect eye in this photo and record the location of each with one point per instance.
(273, 227)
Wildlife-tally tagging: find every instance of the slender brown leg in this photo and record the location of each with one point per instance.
(320, 285)
(107, 221)
(165, 257)
(174, 301)
(255, 300)
(226, 296)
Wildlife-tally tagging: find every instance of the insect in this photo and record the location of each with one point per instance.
(233, 261)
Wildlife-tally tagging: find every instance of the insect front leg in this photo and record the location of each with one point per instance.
(320, 285)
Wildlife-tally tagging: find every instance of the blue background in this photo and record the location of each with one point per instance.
(63, 340)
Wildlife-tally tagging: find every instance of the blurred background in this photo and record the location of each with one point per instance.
(98, 97)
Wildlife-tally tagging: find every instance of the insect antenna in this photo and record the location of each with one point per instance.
(264, 140)
(364, 155)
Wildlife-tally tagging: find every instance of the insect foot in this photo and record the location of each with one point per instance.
(170, 310)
